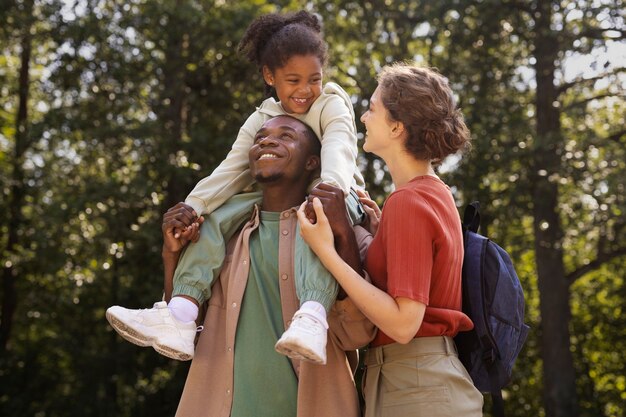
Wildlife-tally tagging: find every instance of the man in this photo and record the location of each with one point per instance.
(236, 371)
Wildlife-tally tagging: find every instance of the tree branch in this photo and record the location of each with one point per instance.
(599, 33)
(564, 87)
(595, 264)
(584, 102)
(600, 142)
(353, 78)
(615, 137)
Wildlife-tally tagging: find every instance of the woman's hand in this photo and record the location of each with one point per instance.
(372, 210)
(318, 236)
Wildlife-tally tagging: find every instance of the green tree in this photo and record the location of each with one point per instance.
(557, 30)
(19, 29)
(127, 104)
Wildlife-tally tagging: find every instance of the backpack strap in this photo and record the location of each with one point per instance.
(471, 217)
(492, 363)
(471, 221)
(497, 403)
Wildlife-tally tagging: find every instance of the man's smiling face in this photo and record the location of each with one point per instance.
(282, 149)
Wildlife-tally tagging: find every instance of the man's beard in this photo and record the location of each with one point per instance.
(268, 178)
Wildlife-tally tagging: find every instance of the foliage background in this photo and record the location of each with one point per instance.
(111, 110)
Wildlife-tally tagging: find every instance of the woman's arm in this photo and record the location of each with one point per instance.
(400, 318)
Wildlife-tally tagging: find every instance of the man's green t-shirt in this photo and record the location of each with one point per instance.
(265, 384)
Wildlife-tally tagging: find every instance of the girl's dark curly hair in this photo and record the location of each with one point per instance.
(421, 99)
(272, 39)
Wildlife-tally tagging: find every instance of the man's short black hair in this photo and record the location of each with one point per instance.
(315, 146)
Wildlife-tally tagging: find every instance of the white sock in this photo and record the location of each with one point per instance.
(315, 310)
(183, 309)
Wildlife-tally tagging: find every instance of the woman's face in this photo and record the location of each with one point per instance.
(378, 124)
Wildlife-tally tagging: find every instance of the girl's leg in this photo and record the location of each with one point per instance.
(313, 281)
(159, 326)
(317, 291)
(200, 263)
(316, 288)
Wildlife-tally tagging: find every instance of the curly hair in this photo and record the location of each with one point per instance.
(421, 99)
(272, 39)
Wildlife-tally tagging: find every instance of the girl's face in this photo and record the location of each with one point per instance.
(378, 124)
(298, 83)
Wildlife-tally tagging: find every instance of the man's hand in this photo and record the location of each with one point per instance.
(180, 226)
(334, 203)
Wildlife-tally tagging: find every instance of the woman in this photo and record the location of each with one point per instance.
(416, 257)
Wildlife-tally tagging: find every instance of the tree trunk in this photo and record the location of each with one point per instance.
(559, 379)
(174, 114)
(15, 220)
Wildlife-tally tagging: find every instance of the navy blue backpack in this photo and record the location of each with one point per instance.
(494, 300)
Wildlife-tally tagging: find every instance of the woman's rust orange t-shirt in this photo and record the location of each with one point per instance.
(417, 253)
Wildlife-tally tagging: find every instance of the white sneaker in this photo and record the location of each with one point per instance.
(305, 339)
(155, 327)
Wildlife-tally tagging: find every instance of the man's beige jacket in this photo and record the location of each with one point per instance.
(323, 390)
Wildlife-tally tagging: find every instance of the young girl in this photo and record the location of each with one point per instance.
(416, 256)
(290, 53)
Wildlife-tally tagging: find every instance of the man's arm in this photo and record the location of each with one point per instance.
(179, 217)
(170, 260)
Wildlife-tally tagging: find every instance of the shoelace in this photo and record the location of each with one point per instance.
(308, 322)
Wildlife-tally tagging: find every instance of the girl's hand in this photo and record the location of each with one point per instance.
(192, 232)
(318, 236)
(372, 210)
(180, 226)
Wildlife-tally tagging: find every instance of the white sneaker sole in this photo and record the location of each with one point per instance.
(136, 337)
(293, 350)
